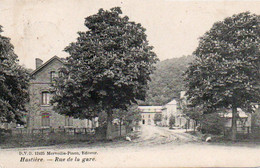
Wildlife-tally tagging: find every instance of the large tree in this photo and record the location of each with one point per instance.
(108, 67)
(13, 84)
(225, 73)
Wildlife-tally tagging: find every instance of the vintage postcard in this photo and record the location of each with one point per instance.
(129, 83)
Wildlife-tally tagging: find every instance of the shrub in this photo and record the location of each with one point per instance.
(171, 121)
(212, 124)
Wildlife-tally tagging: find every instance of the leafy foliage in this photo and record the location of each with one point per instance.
(13, 84)
(132, 114)
(225, 73)
(102, 119)
(212, 124)
(195, 113)
(108, 67)
(167, 81)
(157, 118)
(226, 69)
(171, 121)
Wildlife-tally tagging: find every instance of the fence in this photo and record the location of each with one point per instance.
(22, 137)
(255, 131)
(117, 131)
(249, 132)
(240, 130)
(71, 131)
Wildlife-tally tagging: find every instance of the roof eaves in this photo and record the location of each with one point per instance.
(46, 63)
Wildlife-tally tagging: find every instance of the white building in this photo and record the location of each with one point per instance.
(180, 119)
(174, 108)
(148, 113)
(168, 110)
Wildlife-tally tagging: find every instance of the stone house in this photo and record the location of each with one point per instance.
(148, 113)
(40, 112)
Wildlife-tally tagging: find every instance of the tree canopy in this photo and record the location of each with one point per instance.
(225, 72)
(129, 116)
(13, 84)
(108, 68)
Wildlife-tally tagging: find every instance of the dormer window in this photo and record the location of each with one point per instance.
(53, 75)
(61, 74)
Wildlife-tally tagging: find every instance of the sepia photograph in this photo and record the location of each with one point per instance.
(129, 83)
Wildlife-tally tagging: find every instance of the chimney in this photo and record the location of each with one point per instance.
(38, 62)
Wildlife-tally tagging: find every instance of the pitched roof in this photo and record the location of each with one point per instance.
(150, 108)
(240, 112)
(46, 63)
(172, 102)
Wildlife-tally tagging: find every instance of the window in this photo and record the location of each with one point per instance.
(53, 75)
(45, 98)
(61, 74)
(68, 121)
(45, 119)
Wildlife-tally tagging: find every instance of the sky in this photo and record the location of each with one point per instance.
(43, 28)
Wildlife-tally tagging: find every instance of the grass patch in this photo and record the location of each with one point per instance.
(221, 139)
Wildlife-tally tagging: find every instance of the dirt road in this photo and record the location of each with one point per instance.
(163, 135)
(155, 147)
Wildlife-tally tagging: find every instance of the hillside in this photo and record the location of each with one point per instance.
(167, 80)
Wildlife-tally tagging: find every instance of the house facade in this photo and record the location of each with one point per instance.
(148, 113)
(181, 119)
(169, 109)
(244, 120)
(40, 111)
(174, 108)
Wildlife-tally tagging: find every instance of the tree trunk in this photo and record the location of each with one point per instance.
(194, 125)
(93, 123)
(120, 124)
(109, 126)
(234, 124)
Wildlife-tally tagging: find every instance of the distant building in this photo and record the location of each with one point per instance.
(169, 109)
(148, 113)
(181, 119)
(174, 108)
(243, 120)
